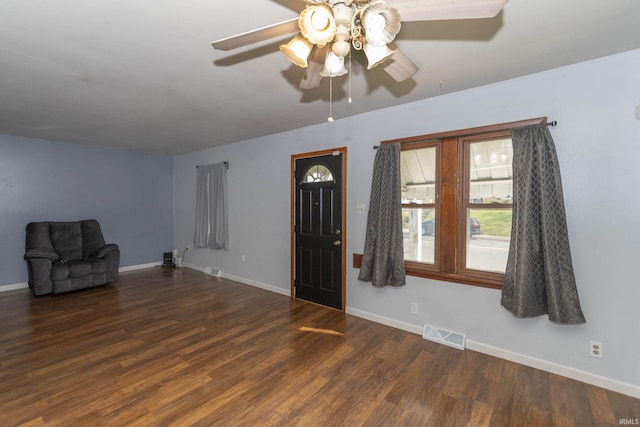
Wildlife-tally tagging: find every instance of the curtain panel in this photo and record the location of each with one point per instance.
(212, 229)
(383, 257)
(539, 277)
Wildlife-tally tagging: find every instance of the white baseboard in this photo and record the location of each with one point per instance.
(193, 267)
(138, 267)
(242, 280)
(414, 329)
(260, 285)
(13, 287)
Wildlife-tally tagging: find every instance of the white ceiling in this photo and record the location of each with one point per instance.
(142, 75)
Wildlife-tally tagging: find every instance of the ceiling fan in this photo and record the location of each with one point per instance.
(330, 28)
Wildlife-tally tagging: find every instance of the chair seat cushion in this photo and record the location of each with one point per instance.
(73, 269)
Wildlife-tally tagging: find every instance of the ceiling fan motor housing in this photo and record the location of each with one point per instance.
(343, 16)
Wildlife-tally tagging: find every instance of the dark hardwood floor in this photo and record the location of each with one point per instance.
(176, 347)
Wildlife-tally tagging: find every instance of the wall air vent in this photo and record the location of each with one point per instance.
(215, 272)
(452, 339)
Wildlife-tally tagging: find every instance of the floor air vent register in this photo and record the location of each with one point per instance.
(442, 336)
(210, 271)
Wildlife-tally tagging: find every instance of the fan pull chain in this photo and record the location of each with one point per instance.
(350, 73)
(330, 119)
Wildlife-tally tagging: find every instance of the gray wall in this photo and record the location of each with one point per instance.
(598, 143)
(129, 193)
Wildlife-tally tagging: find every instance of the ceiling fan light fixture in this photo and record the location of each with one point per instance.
(381, 24)
(297, 50)
(341, 48)
(317, 24)
(336, 27)
(376, 55)
(333, 66)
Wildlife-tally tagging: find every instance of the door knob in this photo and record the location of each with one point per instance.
(337, 243)
(338, 232)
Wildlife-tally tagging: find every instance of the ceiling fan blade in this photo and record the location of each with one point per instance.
(401, 67)
(312, 77)
(255, 36)
(432, 10)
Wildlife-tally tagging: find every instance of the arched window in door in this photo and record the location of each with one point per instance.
(317, 173)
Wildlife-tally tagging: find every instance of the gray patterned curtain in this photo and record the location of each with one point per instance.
(539, 276)
(212, 229)
(383, 258)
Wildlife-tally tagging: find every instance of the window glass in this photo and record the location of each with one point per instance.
(419, 230)
(490, 172)
(418, 175)
(487, 239)
(318, 173)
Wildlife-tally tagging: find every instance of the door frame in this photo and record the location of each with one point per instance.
(343, 273)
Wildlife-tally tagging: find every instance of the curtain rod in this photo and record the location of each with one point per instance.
(226, 164)
(552, 124)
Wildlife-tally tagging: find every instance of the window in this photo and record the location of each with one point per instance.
(487, 202)
(419, 179)
(318, 173)
(457, 202)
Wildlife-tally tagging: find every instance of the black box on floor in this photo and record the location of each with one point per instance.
(167, 259)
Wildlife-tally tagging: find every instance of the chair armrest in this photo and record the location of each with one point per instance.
(41, 253)
(102, 251)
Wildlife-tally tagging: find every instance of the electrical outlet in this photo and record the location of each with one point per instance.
(414, 308)
(595, 349)
(244, 258)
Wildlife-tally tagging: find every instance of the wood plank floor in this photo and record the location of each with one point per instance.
(176, 347)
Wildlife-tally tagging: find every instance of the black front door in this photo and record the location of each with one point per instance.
(318, 229)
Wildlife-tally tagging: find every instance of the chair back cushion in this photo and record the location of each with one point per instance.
(92, 238)
(38, 236)
(66, 238)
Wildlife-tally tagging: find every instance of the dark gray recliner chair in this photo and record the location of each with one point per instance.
(66, 256)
